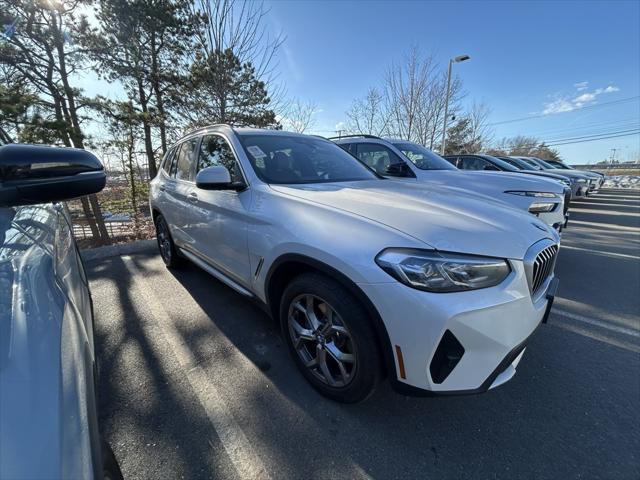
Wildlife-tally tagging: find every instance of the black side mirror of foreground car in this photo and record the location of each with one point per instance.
(31, 174)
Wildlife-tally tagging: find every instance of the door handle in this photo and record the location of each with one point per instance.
(192, 197)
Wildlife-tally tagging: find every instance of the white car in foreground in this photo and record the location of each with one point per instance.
(409, 161)
(430, 286)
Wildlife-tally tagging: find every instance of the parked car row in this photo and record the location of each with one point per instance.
(401, 159)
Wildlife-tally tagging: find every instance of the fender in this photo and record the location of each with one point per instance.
(378, 325)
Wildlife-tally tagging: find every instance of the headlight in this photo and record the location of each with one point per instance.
(565, 182)
(581, 180)
(532, 194)
(442, 272)
(540, 207)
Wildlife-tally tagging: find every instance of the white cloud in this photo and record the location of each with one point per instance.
(558, 106)
(340, 126)
(568, 103)
(584, 98)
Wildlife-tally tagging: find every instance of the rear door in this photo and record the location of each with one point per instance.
(221, 217)
(179, 191)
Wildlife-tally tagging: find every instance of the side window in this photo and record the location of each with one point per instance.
(473, 163)
(166, 162)
(381, 159)
(185, 161)
(214, 151)
(349, 147)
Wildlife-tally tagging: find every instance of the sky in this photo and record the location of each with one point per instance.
(558, 71)
(574, 66)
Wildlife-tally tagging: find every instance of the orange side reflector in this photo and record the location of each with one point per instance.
(400, 362)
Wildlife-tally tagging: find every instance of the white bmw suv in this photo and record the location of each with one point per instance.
(432, 286)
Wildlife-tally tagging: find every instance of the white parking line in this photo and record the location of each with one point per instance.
(564, 246)
(607, 226)
(597, 323)
(235, 442)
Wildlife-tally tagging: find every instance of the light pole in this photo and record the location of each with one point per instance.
(458, 59)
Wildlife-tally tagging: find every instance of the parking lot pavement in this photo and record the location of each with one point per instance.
(196, 383)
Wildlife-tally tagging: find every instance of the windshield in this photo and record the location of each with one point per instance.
(292, 159)
(560, 165)
(515, 163)
(531, 163)
(544, 164)
(501, 163)
(422, 157)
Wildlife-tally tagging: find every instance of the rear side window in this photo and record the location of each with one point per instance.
(215, 151)
(185, 160)
(473, 163)
(166, 162)
(349, 147)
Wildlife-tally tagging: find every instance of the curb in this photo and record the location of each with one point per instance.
(107, 251)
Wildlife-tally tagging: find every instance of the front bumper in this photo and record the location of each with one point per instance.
(492, 325)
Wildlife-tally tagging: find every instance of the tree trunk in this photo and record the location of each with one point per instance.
(155, 83)
(148, 146)
(98, 228)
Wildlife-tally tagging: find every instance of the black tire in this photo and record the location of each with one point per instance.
(110, 467)
(168, 250)
(366, 370)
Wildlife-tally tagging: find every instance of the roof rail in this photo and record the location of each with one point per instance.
(200, 130)
(361, 135)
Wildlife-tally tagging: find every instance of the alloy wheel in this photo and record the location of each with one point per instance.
(164, 241)
(321, 340)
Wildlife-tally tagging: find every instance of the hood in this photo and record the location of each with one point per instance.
(543, 173)
(444, 218)
(567, 173)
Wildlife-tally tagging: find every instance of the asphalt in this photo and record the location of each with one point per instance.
(195, 381)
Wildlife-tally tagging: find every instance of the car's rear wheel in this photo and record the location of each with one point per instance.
(330, 337)
(168, 250)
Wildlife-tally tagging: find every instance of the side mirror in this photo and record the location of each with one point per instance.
(217, 178)
(491, 168)
(398, 170)
(31, 174)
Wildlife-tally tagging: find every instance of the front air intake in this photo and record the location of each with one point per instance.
(447, 356)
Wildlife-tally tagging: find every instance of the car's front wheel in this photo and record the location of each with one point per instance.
(168, 250)
(330, 337)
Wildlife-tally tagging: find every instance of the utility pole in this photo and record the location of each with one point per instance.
(613, 155)
(458, 59)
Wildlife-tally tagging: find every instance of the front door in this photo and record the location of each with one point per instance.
(221, 217)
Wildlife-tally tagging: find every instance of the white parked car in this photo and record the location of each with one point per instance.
(430, 286)
(409, 161)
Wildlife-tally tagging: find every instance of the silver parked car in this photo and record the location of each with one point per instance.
(48, 409)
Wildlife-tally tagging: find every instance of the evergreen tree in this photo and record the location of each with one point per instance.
(224, 90)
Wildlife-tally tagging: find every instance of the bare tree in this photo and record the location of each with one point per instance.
(480, 134)
(368, 115)
(410, 103)
(406, 88)
(299, 116)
